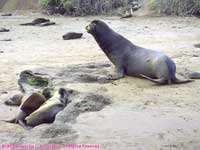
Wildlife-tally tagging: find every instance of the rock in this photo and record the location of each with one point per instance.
(7, 14)
(197, 45)
(7, 40)
(4, 30)
(72, 35)
(82, 103)
(194, 75)
(126, 15)
(47, 24)
(15, 100)
(1, 51)
(195, 55)
(28, 81)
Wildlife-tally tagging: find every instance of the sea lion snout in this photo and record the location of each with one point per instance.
(90, 27)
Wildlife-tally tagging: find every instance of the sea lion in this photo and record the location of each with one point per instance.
(72, 35)
(48, 111)
(7, 14)
(4, 30)
(47, 24)
(30, 103)
(133, 60)
(36, 21)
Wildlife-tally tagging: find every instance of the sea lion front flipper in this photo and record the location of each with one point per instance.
(119, 73)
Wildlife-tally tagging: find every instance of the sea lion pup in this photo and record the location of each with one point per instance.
(36, 21)
(133, 60)
(48, 111)
(30, 103)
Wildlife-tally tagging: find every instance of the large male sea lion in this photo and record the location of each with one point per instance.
(132, 60)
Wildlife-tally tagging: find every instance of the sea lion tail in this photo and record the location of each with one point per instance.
(158, 81)
(172, 71)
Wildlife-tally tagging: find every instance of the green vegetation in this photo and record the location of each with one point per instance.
(68, 4)
(99, 7)
(176, 7)
(44, 3)
(48, 92)
(37, 81)
(83, 7)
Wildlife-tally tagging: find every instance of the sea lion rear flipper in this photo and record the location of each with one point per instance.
(23, 124)
(158, 81)
(26, 24)
(14, 120)
(182, 81)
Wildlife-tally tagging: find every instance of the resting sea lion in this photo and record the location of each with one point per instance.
(30, 103)
(72, 35)
(48, 111)
(4, 30)
(132, 60)
(36, 21)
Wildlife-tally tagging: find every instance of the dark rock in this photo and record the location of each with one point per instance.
(4, 30)
(15, 100)
(7, 14)
(197, 45)
(7, 40)
(195, 55)
(194, 75)
(72, 35)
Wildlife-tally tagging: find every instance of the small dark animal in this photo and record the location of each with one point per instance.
(36, 21)
(72, 35)
(7, 40)
(132, 60)
(197, 45)
(7, 14)
(4, 30)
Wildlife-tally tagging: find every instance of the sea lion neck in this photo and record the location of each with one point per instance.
(104, 41)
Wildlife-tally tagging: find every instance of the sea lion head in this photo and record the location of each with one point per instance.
(64, 96)
(96, 26)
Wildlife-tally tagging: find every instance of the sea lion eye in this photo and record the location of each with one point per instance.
(94, 24)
